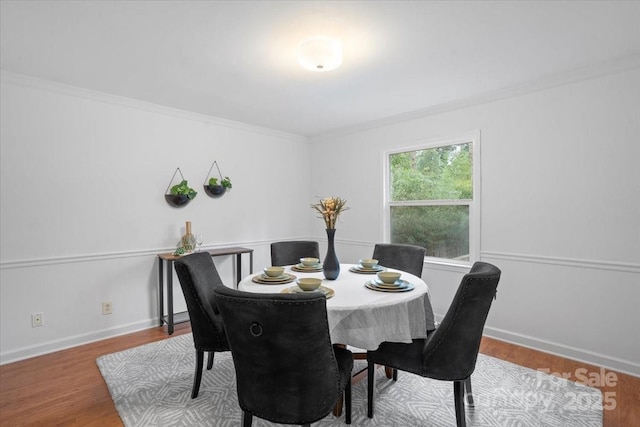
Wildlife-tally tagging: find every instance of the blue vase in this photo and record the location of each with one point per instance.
(331, 265)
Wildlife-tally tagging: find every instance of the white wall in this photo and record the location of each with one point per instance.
(83, 214)
(560, 209)
(83, 210)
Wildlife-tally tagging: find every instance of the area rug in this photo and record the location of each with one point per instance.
(151, 386)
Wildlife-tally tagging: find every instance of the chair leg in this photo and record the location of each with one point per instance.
(388, 372)
(468, 392)
(458, 396)
(370, 384)
(210, 360)
(247, 419)
(391, 373)
(347, 403)
(198, 374)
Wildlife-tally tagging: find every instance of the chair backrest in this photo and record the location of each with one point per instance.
(451, 351)
(199, 278)
(409, 258)
(289, 253)
(286, 370)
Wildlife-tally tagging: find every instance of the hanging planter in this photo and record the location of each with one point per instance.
(213, 187)
(180, 194)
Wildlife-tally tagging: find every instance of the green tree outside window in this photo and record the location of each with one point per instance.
(430, 195)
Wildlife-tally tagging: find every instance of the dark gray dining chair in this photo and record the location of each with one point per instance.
(409, 258)
(450, 352)
(290, 252)
(199, 278)
(287, 370)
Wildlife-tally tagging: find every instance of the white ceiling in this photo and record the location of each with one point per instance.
(236, 59)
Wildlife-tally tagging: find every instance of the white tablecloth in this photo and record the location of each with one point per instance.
(364, 318)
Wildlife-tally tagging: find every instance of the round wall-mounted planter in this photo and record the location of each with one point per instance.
(215, 190)
(177, 200)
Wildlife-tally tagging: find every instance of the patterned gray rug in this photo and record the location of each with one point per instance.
(151, 386)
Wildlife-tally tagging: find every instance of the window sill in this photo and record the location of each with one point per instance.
(447, 265)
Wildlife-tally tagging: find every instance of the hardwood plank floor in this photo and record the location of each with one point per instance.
(66, 389)
(621, 392)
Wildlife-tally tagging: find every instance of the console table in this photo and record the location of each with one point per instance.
(172, 318)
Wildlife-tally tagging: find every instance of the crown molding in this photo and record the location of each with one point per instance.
(618, 65)
(9, 77)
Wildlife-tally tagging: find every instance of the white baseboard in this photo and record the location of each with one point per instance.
(74, 341)
(622, 366)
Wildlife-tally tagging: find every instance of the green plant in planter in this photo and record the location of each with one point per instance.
(226, 182)
(183, 188)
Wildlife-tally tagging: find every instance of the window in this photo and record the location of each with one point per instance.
(432, 201)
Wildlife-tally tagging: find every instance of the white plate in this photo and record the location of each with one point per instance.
(309, 267)
(361, 270)
(280, 280)
(328, 292)
(375, 287)
(399, 282)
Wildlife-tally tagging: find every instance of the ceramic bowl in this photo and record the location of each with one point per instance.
(309, 283)
(389, 276)
(309, 262)
(368, 262)
(274, 271)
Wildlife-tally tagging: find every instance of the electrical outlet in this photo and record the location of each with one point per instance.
(37, 320)
(107, 308)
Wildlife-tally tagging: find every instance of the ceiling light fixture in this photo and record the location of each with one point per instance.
(320, 54)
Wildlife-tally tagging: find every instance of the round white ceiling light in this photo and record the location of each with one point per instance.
(320, 54)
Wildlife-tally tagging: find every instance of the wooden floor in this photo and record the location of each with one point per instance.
(66, 389)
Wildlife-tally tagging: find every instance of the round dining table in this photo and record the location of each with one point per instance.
(362, 317)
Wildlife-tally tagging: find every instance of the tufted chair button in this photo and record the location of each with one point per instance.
(255, 329)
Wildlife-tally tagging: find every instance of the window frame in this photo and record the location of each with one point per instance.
(474, 204)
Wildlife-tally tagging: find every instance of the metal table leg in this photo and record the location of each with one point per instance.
(169, 297)
(160, 290)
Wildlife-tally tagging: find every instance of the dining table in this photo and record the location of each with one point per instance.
(359, 314)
